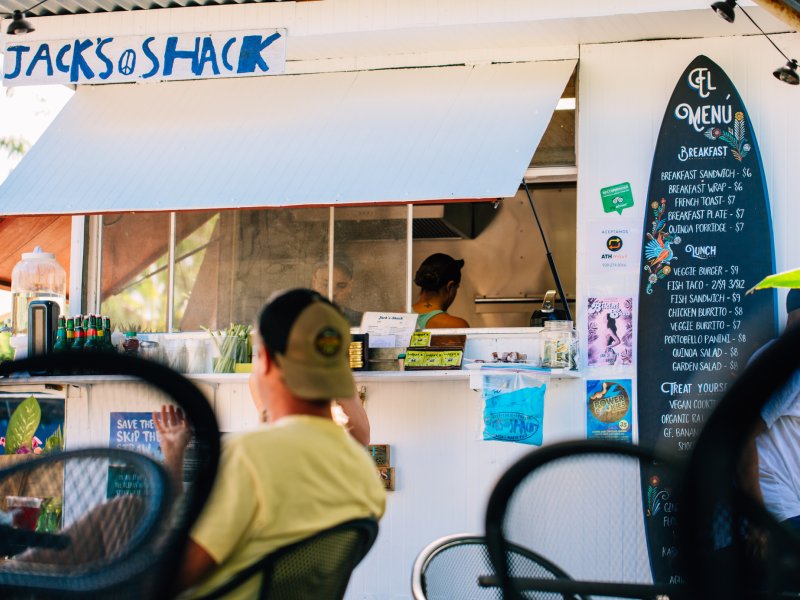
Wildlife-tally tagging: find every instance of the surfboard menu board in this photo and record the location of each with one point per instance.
(707, 238)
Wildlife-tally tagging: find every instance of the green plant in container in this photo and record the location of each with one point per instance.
(232, 346)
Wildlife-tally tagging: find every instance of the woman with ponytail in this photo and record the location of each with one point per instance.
(438, 277)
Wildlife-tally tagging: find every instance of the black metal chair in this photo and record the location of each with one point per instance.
(121, 543)
(81, 541)
(732, 547)
(580, 505)
(449, 568)
(315, 568)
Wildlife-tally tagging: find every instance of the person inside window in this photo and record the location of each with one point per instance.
(342, 287)
(438, 276)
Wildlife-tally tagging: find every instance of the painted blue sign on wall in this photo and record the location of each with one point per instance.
(145, 58)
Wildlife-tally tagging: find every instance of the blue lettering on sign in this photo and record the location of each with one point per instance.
(43, 53)
(171, 53)
(151, 56)
(106, 61)
(225, 49)
(84, 59)
(127, 62)
(60, 64)
(250, 54)
(79, 64)
(19, 51)
(207, 54)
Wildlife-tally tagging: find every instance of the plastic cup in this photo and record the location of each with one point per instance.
(24, 511)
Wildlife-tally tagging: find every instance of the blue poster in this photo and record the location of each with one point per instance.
(134, 431)
(609, 410)
(513, 406)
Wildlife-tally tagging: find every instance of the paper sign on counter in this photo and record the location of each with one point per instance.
(389, 330)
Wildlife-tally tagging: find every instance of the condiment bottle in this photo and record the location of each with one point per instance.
(131, 343)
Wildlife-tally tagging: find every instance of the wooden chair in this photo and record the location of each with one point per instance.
(449, 568)
(580, 505)
(315, 568)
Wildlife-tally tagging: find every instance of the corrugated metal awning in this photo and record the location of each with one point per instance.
(407, 135)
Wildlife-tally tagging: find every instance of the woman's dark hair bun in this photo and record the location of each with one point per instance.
(437, 271)
(427, 278)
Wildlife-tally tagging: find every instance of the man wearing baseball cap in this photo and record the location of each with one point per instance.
(299, 474)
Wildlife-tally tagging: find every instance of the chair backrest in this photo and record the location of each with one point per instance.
(732, 546)
(315, 568)
(81, 542)
(140, 503)
(580, 505)
(448, 569)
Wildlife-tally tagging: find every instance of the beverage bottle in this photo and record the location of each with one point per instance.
(61, 344)
(101, 334)
(70, 332)
(92, 341)
(107, 334)
(77, 343)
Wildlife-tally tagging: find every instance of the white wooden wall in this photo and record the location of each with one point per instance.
(444, 471)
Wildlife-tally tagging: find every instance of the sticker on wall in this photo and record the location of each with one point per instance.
(609, 410)
(617, 197)
(513, 405)
(610, 331)
(613, 249)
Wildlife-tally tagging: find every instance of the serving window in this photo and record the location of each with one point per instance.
(225, 264)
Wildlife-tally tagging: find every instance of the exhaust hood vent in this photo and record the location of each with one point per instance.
(434, 229)
(431, 221)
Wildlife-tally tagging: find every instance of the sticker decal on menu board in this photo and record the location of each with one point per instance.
(706, 239)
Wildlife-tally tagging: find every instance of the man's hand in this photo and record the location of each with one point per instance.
(173, 437)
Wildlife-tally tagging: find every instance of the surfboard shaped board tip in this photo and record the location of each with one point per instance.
(707, 237)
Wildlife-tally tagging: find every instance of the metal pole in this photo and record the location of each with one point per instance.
(550, 260)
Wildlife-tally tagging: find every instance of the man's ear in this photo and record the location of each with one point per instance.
(262, 360)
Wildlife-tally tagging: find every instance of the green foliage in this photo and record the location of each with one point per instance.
(232, 346)
(22, 425)
(786, 279)
(14, 146)
(55, 443)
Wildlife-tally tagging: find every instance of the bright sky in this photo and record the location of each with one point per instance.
(25, 112)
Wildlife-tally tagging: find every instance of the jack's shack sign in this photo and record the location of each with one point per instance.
(94, 60)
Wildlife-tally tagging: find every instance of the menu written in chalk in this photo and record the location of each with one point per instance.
(707, 238)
